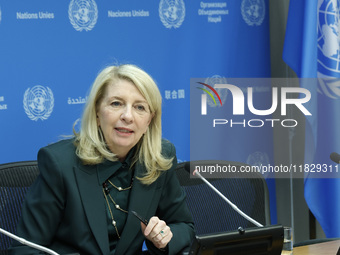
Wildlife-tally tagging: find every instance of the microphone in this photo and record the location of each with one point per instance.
(187, 168)
(335, 157)
(25, 242)
(30, 244)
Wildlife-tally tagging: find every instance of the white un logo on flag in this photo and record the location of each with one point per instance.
(328, 36)
(329, 48)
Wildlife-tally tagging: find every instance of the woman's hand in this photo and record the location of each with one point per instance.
(157, 232)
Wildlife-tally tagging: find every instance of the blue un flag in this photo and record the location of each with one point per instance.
(312, 50)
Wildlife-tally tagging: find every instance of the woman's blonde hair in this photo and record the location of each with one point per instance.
(91, 146)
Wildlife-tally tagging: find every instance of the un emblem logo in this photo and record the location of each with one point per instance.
(259, 159)
(253, 11)
(328, 38)
(83, 14)
(172, 13)
(38, 102)
(329, 86)
(329, 48)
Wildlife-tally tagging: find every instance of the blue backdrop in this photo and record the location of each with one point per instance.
(51, 52)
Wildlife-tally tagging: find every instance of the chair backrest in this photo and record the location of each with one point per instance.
(210, 212)
(15, 180)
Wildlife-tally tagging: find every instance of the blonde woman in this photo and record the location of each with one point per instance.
(118, 163)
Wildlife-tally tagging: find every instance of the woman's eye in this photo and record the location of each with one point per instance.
(140, 107)
(116, 103)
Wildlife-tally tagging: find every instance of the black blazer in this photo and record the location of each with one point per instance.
(65, 210)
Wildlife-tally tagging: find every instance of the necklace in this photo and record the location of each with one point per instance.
(106, 192)
(120, 188)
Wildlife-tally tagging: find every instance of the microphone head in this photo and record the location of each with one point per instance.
(187, 166)
(335, 157)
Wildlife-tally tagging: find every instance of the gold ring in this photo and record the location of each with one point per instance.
(162, 233)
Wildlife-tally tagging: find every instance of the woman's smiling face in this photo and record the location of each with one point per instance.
(123, 116)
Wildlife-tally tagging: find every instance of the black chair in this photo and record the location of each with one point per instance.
(15, 180)
(211, 214)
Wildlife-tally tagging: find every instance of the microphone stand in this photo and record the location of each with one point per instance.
(228, 201)
(30, 244)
